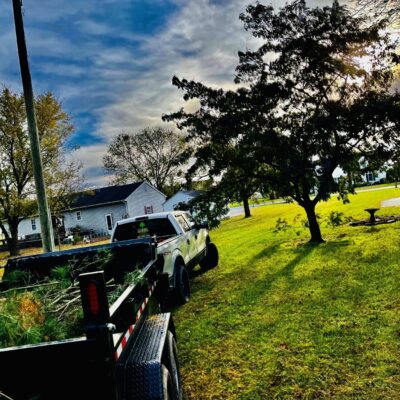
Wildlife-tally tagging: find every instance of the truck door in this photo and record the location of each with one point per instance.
(189, 237)
(199, 235)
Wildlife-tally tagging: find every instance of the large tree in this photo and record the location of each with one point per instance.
(17, 191)
(335, 71)
(317, 98)
(152, 154)
(379, 9)
(217, 134)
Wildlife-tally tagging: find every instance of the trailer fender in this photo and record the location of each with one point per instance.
(141, 367)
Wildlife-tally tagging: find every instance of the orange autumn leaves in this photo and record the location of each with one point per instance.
(29, 310)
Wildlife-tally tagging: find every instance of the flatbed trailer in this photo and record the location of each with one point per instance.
(126, 353)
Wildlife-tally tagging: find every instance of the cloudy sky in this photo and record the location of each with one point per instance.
(111, 62)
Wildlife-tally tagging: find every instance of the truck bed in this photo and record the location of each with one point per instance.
(83, 367)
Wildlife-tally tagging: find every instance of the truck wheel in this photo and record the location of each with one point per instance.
(173, 365)
(211, 258)
(167, 385)
(182, 285)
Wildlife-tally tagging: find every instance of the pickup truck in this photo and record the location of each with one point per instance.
(125, 352)
(181, 242)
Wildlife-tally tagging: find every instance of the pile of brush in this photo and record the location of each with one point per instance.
(35, 309)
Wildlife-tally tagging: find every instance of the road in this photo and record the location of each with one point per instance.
(236, 211)
(373, 189)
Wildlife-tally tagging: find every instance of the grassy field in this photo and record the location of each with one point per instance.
(282, 319)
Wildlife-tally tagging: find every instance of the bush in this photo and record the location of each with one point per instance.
(76, 239)
(281, 225)
(335, 218)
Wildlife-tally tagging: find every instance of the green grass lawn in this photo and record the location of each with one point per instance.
(282, 319)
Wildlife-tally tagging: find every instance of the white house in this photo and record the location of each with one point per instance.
(97, 210)
(183, 196)
(368, 178)
(374, 177)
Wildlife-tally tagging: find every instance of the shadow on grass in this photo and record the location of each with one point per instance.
(261, 286)
(267, 252)
(339, 243)
(287, 270)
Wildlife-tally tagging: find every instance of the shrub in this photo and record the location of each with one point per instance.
(281, 224)
(76, 239)
(335, 218)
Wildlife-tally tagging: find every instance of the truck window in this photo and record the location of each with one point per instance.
(182, 222)
(160, 227)
(190, 220)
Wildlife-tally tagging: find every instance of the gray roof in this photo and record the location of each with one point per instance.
(105, 195)
(189, 193)
(192, 193)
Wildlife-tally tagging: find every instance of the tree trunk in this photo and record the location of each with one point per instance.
(313, 224)
(12, 239)
(246, 207)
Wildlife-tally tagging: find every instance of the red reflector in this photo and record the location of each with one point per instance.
(93, 298)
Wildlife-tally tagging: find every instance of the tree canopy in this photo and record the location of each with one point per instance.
(152, 154)
(17, 192)
(316, 97)
(380, 9)
(217, 134)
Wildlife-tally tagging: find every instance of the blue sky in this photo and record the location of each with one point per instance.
(111, 62)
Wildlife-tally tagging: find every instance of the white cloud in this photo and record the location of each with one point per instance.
(128, 87)
(199, 42)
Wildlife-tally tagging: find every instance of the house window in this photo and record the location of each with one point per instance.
(370, 177)
(148, 209)
(109, 222)
(33, 223)
(78, 216)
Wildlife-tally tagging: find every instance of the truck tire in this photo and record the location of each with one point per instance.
(182, 285)
(167, 385)
(172, 364)
(211, 258)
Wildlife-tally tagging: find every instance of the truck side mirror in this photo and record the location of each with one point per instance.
(203, 225)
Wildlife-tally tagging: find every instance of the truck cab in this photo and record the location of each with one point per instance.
(182, 243)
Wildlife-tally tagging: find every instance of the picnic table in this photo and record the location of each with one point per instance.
(372, 212)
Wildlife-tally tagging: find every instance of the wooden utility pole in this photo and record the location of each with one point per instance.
(44, 213)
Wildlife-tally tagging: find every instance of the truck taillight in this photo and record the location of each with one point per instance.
(93, 298)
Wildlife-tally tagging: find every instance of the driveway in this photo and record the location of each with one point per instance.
(373, 189)
(395, 202)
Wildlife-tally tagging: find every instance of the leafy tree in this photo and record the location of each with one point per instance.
(152, 154)
(17, 190)
(333, 73)
(316, 98)
(210, 206)
(378, 9)
(216, 132)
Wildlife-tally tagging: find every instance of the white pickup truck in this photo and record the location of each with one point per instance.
(182, 242)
